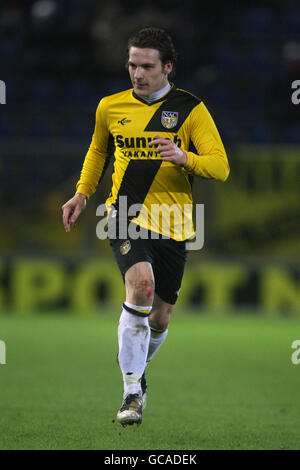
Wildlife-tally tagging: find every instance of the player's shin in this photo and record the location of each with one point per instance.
(133, 337)
(156, 340)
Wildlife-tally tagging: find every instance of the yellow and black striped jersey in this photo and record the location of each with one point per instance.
(162, 188)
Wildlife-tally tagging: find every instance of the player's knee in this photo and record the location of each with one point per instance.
(159, 325)
(142, 291)
(159, 321)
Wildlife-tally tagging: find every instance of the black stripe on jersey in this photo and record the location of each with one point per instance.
(193, 149)
(179, 101)
(110, 153)
(136, 182)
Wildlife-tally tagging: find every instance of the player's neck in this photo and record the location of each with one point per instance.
(156, 95)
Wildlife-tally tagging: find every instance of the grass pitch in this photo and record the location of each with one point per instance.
(216, 383)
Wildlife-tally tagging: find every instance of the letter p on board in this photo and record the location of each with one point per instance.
(2, 92)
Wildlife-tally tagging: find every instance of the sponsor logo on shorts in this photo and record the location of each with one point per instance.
(125, 247)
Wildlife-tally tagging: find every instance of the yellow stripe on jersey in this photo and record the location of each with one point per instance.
(162, 188)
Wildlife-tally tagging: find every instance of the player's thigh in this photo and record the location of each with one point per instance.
(139, 283)
(159, 317)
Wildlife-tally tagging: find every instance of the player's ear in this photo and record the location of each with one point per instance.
(168, 67)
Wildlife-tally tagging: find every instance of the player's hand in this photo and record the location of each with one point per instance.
(169, 151)
(72, 209)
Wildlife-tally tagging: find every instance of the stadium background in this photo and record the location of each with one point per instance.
(58, 58)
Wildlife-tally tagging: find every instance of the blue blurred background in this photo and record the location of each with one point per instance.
(58, 58)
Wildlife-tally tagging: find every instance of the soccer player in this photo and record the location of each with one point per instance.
(162, 135)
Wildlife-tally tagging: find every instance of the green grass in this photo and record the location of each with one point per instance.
(216, 383)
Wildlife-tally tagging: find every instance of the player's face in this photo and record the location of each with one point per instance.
(146, 71)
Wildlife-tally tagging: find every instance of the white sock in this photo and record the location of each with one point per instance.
(156, 340)
(133, 337)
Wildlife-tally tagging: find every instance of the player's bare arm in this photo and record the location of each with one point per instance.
(72, 209)
(169, 151)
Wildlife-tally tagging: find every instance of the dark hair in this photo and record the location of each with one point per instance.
(155, 38)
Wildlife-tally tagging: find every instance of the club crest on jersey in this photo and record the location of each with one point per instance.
(125, 247)
(169, 119)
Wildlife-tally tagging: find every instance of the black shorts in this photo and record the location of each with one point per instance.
(167, 257)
